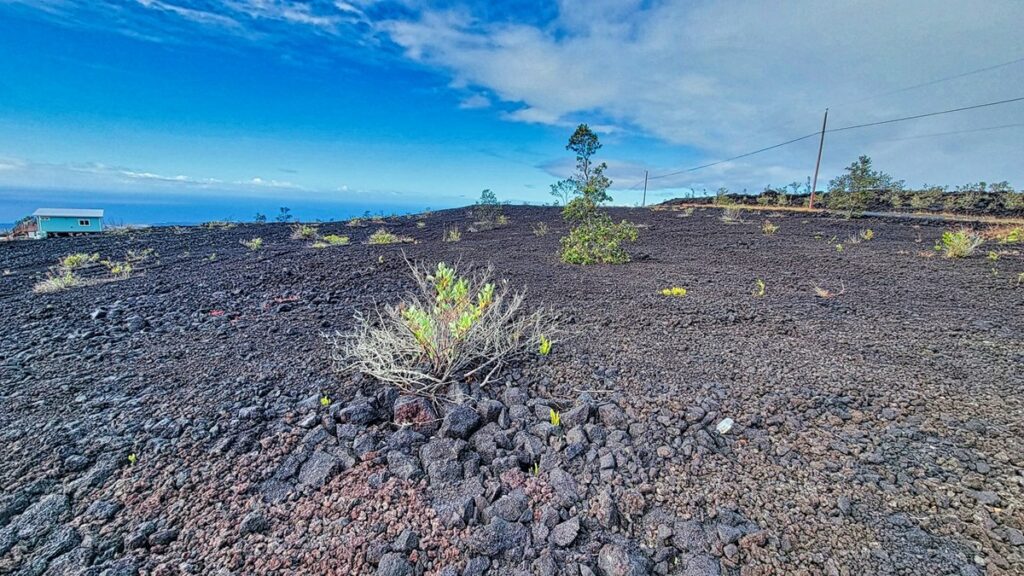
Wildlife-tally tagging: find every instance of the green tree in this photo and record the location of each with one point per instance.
(594, 238)
(852, 191)
(284, 215)
(487, 208)
(563, 191)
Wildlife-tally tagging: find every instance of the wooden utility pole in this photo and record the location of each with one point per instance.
(817, 165)
(644, 201)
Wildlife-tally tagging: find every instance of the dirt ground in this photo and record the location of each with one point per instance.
(877, 431)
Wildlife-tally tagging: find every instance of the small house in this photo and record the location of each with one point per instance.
(66, 221)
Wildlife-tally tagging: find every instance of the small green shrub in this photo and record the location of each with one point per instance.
(540, 229)
(253, 244)
(452, 234)
(335, 240)
(732, 214)
(139, 255)
(867, 234)
(452, 326)
(675, 291)
(598, 241)
(57, 282)
(760, 288)
(119, 270)
(382, 236)
(78, 260)
(959, 243)
(768, 228)
(304, 232)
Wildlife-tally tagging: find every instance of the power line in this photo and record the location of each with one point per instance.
(915, 117)
(765, 149)
(968, 131)
(933, 82)
(842, 129)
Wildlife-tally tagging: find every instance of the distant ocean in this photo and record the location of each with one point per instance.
(156, 210)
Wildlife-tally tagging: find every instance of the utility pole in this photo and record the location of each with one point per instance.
(644, 202)
(817, 165)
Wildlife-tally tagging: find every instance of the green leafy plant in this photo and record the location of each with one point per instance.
(540, 229)
(78, 260)
(452, 234)
(732, 214)
(545, 345)
(304, 232)
(382, 236)
(959, 243)
(120, 270)
(598, 240)
(325, 400)
(760, 288)
(331, 240)
(993, 256)
(253, 244)
(132, 459)
(675, 291)
(57, 281)
(556, 418)
(867, 234)
(535, 469)
(768, 228)
(452, 326)
(839, 247)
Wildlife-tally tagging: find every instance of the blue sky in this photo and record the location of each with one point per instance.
(185, 110)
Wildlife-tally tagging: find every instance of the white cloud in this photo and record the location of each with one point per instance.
(474, 102)
(727, 78)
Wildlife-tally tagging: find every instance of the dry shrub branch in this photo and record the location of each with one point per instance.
(451, 326)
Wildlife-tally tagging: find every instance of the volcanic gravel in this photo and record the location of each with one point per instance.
(173, 422)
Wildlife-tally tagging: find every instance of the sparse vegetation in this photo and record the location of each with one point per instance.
(120, 270)
(57, 281)
(760, 288)
(78, 260)
(382, 236)
(826, 294)
(768, 228)
(304, 232)
(540, 229)
(253, 244)
(335, 240)
(867, 234)
(545, 345)
(732, 214)
(959, 243)
(675, 291)
(555, 417)
(452, 234)
(452, 326)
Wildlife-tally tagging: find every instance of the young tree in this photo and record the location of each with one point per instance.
(260, 218)
(488, 208)
(852, 191)
(284, 215)
(594, 238)
(563, 191)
